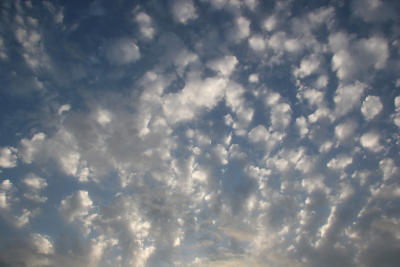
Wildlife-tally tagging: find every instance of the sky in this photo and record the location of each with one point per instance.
(200, 133)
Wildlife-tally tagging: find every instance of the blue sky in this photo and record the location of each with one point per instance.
(200, 133)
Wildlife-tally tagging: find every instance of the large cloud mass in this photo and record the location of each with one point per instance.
(200, 133)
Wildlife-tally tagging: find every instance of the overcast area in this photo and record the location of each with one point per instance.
(200, 133)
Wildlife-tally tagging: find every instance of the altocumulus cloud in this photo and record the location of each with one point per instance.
(200, 133)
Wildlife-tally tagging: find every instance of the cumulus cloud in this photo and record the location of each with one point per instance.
(34, 185)
(353, 58)
(257, 43)
(123, 51)
(396, 115)
(371, 141)
(200, 133)
(75, 206)
(184, 11)
(348, 97)
(145, 25)
(371, 107)
(373, 10)
(8, 157)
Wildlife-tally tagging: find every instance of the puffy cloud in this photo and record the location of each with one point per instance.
(373, 10)
(258, 134)
(196, 96)
(307, 66)
(396, 115)
(257, 43)
(34, 185)
(184, 11)
(123, 51)
(253, 78)
(301, 124)
(347, 97)
(145, 25)
(345, 130)
(42, 244)
(371, 107)
(231, 144)
(242, 28)
(270, 23)
(8, 157)
(5, 193)
(371, 141)
(223, 66)
(63, 108)
(353, 58)
(30, 148)
(388, 168)
(339, 163)
(3, 53)
(75, 206)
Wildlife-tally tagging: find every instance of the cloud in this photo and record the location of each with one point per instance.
(257, 43)
(123, 51)
(373, 10)
(201, 133)
(371, 141)
(8, 157)
(396, 115)
(75, 206)
(353, 58)
(348, 97)
(145, 25)
(34, 185)
(184, 11)
(371, 107)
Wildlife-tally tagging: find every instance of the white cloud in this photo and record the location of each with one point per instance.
(280, 112)
(348, 97)
(253, 78)
(221, 154)
(29, 37)
(345, 130)
(145, 25)
(353, 58)
(123, 51)
(184, 11)
(58, 13)
(373, 10)
(302, 126)
(371, 141)
(6, 187)
(270, 23)
(223, 66)
(63, 108)
(75, 206)
(307, 66)
(257, 43)
(258, 134)
(8, 157)
(396, 115)
(30, 148)
(194, 97)
(371, 107)
(242, 26)
(103, 117)
(23, 219)
(34, 185)
(3, 53)
(340, 162)
(388, 168)
(42, 243)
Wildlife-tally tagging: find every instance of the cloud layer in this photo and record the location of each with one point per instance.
(200, 133)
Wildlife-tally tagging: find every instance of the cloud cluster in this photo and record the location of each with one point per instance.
(200, 133)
